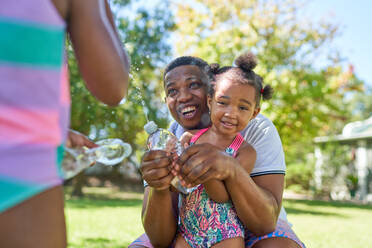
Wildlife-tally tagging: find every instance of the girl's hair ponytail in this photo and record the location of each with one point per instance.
(267, 92)
(246, 62)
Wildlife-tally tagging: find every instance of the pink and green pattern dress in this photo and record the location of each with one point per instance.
(34, 99)
(204, 222)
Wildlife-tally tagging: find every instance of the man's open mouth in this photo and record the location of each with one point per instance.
(188, 112)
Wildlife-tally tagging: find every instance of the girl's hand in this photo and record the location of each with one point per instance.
(202, 162)
(76, 139)
(185, 139)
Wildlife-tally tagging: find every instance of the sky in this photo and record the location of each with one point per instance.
(355, 41)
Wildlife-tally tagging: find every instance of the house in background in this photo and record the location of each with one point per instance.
(358, 136)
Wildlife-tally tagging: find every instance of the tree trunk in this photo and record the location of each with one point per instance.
(77, 185)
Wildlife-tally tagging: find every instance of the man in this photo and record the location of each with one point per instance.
(257, 197)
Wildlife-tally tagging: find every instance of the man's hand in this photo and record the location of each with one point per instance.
(76, 139)
(156, 169)
(202, 162)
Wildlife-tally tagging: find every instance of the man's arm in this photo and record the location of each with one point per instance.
(158, 219)
(257, 202)
(266, 190)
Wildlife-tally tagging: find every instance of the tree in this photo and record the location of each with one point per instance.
(309, 87)
(360, 104)
(143, 32)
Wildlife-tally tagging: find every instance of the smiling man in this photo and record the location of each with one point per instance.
(256, 196)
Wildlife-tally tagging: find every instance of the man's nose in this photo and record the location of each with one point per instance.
(184, 95)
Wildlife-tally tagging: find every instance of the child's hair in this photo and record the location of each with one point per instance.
(244, 74)
(190, 60)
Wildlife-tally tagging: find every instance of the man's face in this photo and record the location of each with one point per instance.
(185, 89)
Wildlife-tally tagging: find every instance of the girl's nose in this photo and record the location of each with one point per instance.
(231, 112)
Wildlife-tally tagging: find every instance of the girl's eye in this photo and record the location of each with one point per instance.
(221, 103)
(243, 108)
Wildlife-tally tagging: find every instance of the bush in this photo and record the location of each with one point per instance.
(299, 176)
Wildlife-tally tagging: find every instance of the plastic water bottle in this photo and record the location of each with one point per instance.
(161, 139)
(109, 152)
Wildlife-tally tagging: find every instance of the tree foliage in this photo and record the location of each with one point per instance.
(309, 88)
(144, 34)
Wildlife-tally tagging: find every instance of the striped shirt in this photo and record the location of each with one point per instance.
(34, 98)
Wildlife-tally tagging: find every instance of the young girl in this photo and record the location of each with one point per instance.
(207, 216)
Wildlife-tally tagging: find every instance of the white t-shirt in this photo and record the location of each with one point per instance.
(263, 136)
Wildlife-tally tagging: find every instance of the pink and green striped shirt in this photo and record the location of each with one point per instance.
(34, 98)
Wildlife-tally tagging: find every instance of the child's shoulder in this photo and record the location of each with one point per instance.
(246, 148)
(247, 156)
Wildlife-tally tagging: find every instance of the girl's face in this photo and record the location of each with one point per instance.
(186, 96)
(232, 106)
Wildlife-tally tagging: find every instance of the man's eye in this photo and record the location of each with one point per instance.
(171, 92)
(221, 103)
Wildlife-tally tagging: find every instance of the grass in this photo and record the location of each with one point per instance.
(103, 218)
(331, 224)
(110, 218)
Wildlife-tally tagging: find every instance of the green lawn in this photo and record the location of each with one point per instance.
(109, 218)
(331, 224)
(103, 218)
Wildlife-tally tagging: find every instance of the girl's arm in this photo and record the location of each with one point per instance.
(102, 59)
(216, 189)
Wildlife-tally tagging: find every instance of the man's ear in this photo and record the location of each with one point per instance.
(256, 112)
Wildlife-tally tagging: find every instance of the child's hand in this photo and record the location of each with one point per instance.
(76, 139)
(185, 139)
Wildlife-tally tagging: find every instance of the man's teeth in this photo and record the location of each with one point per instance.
(188, 109)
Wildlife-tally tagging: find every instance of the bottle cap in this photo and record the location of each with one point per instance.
(150, 127)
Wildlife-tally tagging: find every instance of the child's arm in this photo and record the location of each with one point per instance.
(247, 157)
(216, 189)
(103, 61)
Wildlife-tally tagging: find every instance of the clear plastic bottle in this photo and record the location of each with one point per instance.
(161, 139)
(109, 152)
